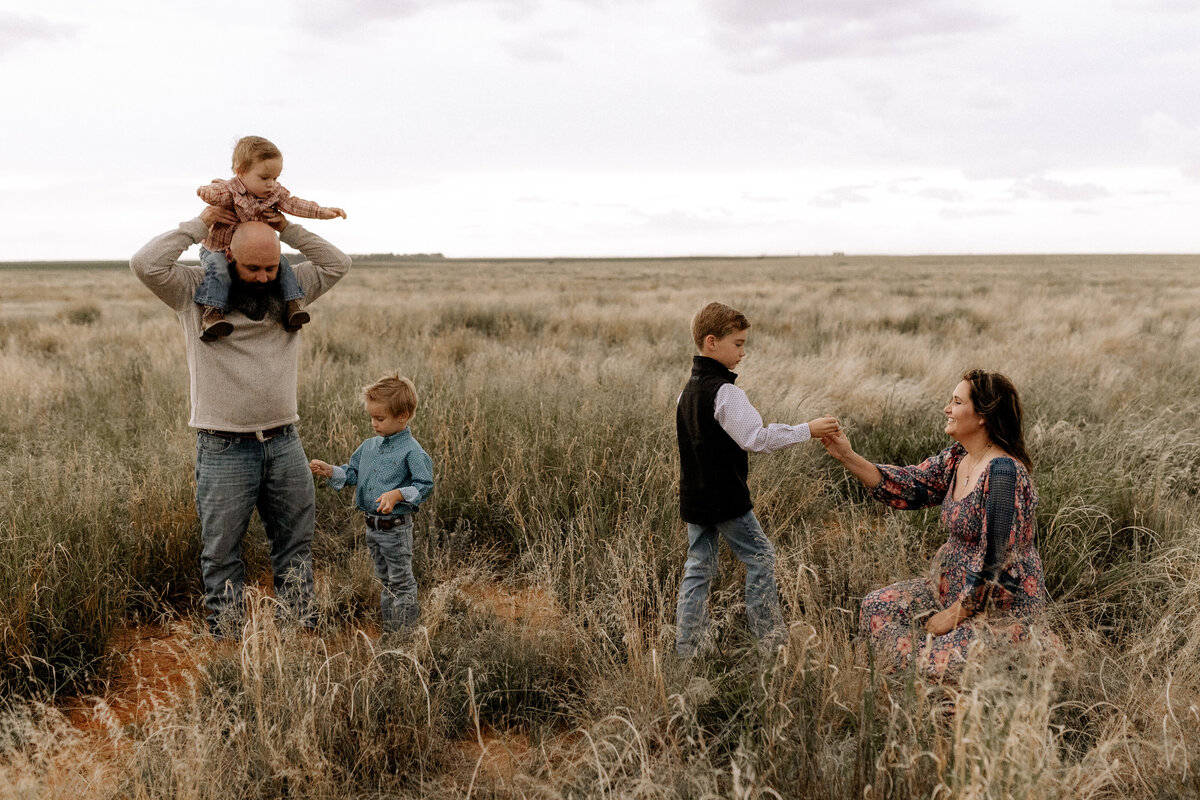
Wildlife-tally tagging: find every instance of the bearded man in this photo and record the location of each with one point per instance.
(243, 405)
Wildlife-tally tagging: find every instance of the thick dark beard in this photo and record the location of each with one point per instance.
(255, 300)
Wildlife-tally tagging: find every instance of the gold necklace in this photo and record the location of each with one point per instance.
(967, 479)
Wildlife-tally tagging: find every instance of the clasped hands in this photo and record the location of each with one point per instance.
(211, 215)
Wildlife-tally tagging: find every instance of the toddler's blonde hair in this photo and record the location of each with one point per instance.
(396, 391)
(250, 150)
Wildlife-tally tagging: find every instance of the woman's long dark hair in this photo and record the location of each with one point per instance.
(996, 400)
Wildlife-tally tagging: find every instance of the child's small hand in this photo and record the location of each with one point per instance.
(319, 467)
(330, 213)
(823, 427)
(387, 501)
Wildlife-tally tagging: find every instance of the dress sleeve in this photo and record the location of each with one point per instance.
(1001, 492)
(919, 486)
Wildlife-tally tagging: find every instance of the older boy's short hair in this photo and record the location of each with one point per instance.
(719, 320)
(394, 390)
(250, 150)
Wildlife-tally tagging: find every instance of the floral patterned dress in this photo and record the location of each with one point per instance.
(989, 563)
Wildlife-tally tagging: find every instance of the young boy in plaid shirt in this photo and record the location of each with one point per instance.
(394, 475)
(251, 194)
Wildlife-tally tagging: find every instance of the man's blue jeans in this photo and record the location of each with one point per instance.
(214, 291)
(748, 542)
(392, 552)
(233, 477)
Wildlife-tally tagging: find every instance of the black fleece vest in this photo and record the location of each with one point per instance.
(712, 468)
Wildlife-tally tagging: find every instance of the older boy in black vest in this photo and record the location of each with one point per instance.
(716, 426)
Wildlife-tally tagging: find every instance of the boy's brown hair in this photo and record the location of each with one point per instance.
(250, 150)
(396, 391)
(718, 320)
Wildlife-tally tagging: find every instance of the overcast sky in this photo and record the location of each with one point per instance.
(614, 127)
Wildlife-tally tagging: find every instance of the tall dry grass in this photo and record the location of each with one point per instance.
(546, 400)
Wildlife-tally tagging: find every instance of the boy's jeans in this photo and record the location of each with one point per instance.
(232, 479)
(215, 289)
(748, 542)
(392, 553)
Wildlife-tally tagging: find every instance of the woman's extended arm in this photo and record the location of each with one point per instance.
(838, 446)
(918, 486)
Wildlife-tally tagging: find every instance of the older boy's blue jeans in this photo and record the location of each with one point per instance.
(233, 477)
(748, 542)
(214, 291)
(392, 553)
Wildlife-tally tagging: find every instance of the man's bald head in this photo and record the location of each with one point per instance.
(254, 250)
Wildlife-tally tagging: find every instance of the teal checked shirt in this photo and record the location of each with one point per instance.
(383, 463)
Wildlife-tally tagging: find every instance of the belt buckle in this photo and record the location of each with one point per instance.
(259, 435)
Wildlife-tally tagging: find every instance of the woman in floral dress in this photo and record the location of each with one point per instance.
(986, 581)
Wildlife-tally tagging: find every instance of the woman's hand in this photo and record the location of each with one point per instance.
(837, 444)
(945, 621)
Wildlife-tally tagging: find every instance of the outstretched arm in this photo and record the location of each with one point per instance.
(299, 207)
(837, 445)
(736, 415)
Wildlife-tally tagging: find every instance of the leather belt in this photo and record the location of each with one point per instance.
(388, 523)
(238, 436)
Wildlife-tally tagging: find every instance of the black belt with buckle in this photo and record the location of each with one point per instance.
(388, 523)
(261, 436)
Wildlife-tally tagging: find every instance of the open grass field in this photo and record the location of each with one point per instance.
(549, 555)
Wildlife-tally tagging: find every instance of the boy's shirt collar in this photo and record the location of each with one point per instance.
(396, 437)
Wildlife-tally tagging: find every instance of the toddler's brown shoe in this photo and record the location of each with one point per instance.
(294, 317)
(214, 324)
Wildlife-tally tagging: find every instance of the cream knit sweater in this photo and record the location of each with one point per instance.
(247, 380)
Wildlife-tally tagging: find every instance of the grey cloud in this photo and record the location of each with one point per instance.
(840, 196)
(945, 195)
(682, 221)
(958, 212)
(323, 18)
(765, 199)
(20, 29)
(1171, 141)
(543, 48)
(1047, 189)
(762, 35)
(1013, 164)
(1158, 6)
